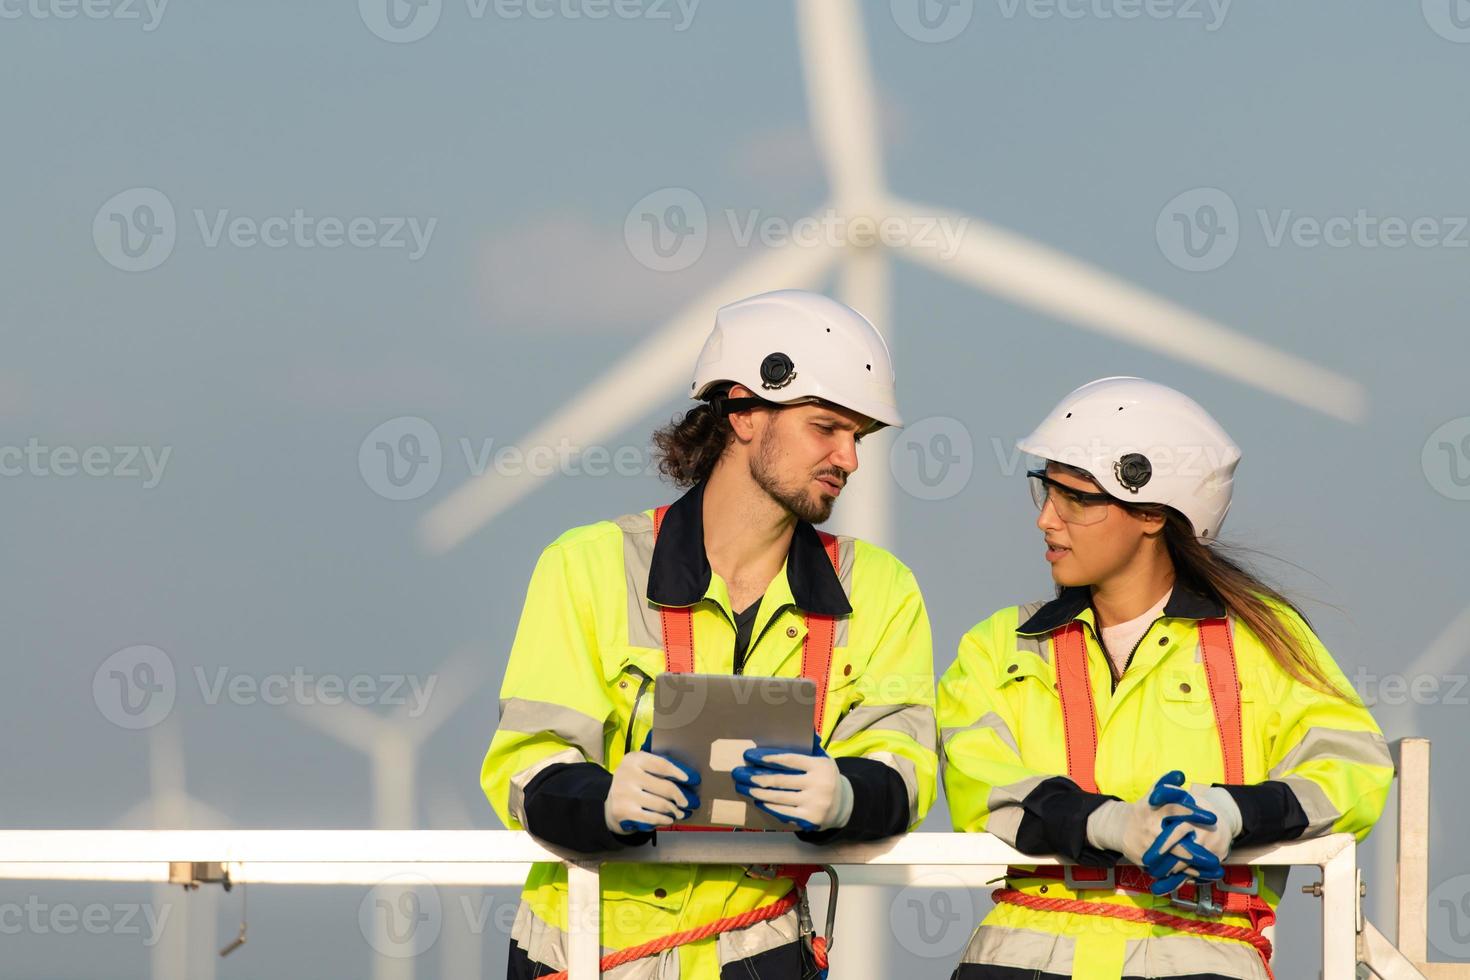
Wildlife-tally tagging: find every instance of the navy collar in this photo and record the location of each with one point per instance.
(1184, 603)
(679, 574)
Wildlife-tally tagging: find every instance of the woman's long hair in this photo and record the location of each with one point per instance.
(1212, 569)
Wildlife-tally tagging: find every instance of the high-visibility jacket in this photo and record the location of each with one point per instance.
(1313, 764)
(578, 696)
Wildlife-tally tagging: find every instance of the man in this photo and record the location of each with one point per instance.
(789, 382)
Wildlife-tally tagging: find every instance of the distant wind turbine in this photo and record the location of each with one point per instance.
(841, 107)
(391, 743)
(187, 948)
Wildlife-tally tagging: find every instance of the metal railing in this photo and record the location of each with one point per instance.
(490, 857)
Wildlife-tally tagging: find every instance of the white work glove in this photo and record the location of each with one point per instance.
(805, 790)
(1131, 828)
(1193, 844)
(649, 791)
(1217, 839)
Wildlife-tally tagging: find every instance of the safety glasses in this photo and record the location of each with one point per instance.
(1072, 506)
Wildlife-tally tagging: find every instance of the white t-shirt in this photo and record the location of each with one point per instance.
(1120, 640)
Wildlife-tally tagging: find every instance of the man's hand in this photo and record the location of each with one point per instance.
(649, 791)
(807, 790)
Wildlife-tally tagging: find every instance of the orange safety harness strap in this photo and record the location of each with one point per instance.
(1219, 930)
(653, 947)
(816, 665)
(816, 646)
(1079, 721)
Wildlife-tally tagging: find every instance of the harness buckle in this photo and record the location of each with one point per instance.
(1204, 898)
(1107, 882)
(1254, 888)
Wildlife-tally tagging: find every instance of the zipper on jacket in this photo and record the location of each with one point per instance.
(1131, 653)
(633, 715)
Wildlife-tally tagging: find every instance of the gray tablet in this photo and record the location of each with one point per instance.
(707, 721)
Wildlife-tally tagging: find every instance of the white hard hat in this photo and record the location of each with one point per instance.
(1144, 442)
(792, 346)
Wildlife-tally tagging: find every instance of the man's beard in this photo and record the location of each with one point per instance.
(798, 500)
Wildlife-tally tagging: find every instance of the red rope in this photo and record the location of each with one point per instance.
(1134, 913)
(653, 947)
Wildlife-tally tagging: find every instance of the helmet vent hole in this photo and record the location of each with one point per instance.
(868, 366)
(1069, 415)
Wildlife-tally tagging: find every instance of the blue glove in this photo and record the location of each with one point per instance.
(803, 789)
(649, 791)
(1159, 862)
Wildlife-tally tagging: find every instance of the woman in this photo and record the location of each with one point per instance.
(1165, 708)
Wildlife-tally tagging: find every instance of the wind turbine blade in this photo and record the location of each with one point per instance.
(655, 371)
(351, 724)
(840, 101)
(455, 681)
(1448, 649)
(1033, 275)
(863, 282)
